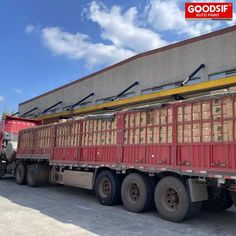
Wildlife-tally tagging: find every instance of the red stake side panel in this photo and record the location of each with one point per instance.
(193, 137)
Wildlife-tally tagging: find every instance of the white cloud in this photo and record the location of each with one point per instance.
(233, 21)
(1, 98)
(79, 46)
(16, 90)
(122, 29)
(124, 32)
(168, 16)
(29, 29)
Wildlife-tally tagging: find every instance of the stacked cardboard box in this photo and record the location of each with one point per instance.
(149, 118)
(43, 137)
(196, 111)
(156, 135)
(163, 134)
(148, 126)
(187, 138)
(187, 134)
(228, 131)
(163, 116)
(187, 113)
(150, 135)
(125, 136)
(216, 109)
(180, 114)
(206, 132)
(135, 136)
(142, 138)
(196, 132)
(206, 110)
(99, 132)
(223, 131)
(180, 136)
(169, 134)
(227, 104)
(155, 126)
(170, 115)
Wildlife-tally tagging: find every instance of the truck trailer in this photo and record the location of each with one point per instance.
(178, 157)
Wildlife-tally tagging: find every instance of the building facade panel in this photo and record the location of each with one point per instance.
(151, 69)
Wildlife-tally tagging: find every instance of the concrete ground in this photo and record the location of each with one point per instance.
(60, 210)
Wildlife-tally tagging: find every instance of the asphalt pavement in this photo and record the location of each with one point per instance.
(60, 210)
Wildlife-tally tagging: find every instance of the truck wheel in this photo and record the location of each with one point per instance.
(137, 192)
(218, 200)
(21, 174)
(32, 177)
(172, 199)
(107, 188)
(2, 168)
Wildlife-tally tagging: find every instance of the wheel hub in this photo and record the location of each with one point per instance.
(134, 192)
(171, 199)
(106, 187)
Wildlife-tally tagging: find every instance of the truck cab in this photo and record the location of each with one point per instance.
(10, 127)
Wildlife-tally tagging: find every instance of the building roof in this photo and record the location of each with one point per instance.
(140, 55)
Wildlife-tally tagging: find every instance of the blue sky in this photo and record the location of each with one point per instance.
(45, 44)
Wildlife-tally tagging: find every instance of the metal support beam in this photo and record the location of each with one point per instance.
(26, 113)
(49, 108)
(14, 114)
(192, 74)
(188, 89)
(125, 90)
(80, 101)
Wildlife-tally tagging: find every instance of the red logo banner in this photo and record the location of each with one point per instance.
(208, 10)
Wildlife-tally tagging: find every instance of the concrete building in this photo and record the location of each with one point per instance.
(153, 70)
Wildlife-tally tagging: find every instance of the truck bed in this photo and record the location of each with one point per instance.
(194, 137)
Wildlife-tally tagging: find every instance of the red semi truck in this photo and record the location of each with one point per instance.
(179, 157)
(9, 131)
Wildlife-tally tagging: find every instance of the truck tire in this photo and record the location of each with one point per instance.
(218, 200)
(172, 199)
(107, 188)
(21, 174)
(2, 169)
(32, 176)
(137, 192)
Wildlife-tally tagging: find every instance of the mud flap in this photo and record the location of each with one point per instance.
(197, 190)
(233, 196)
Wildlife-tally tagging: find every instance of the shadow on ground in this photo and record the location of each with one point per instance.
(79, 207)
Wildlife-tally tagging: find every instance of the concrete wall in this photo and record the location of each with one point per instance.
(168, 65)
